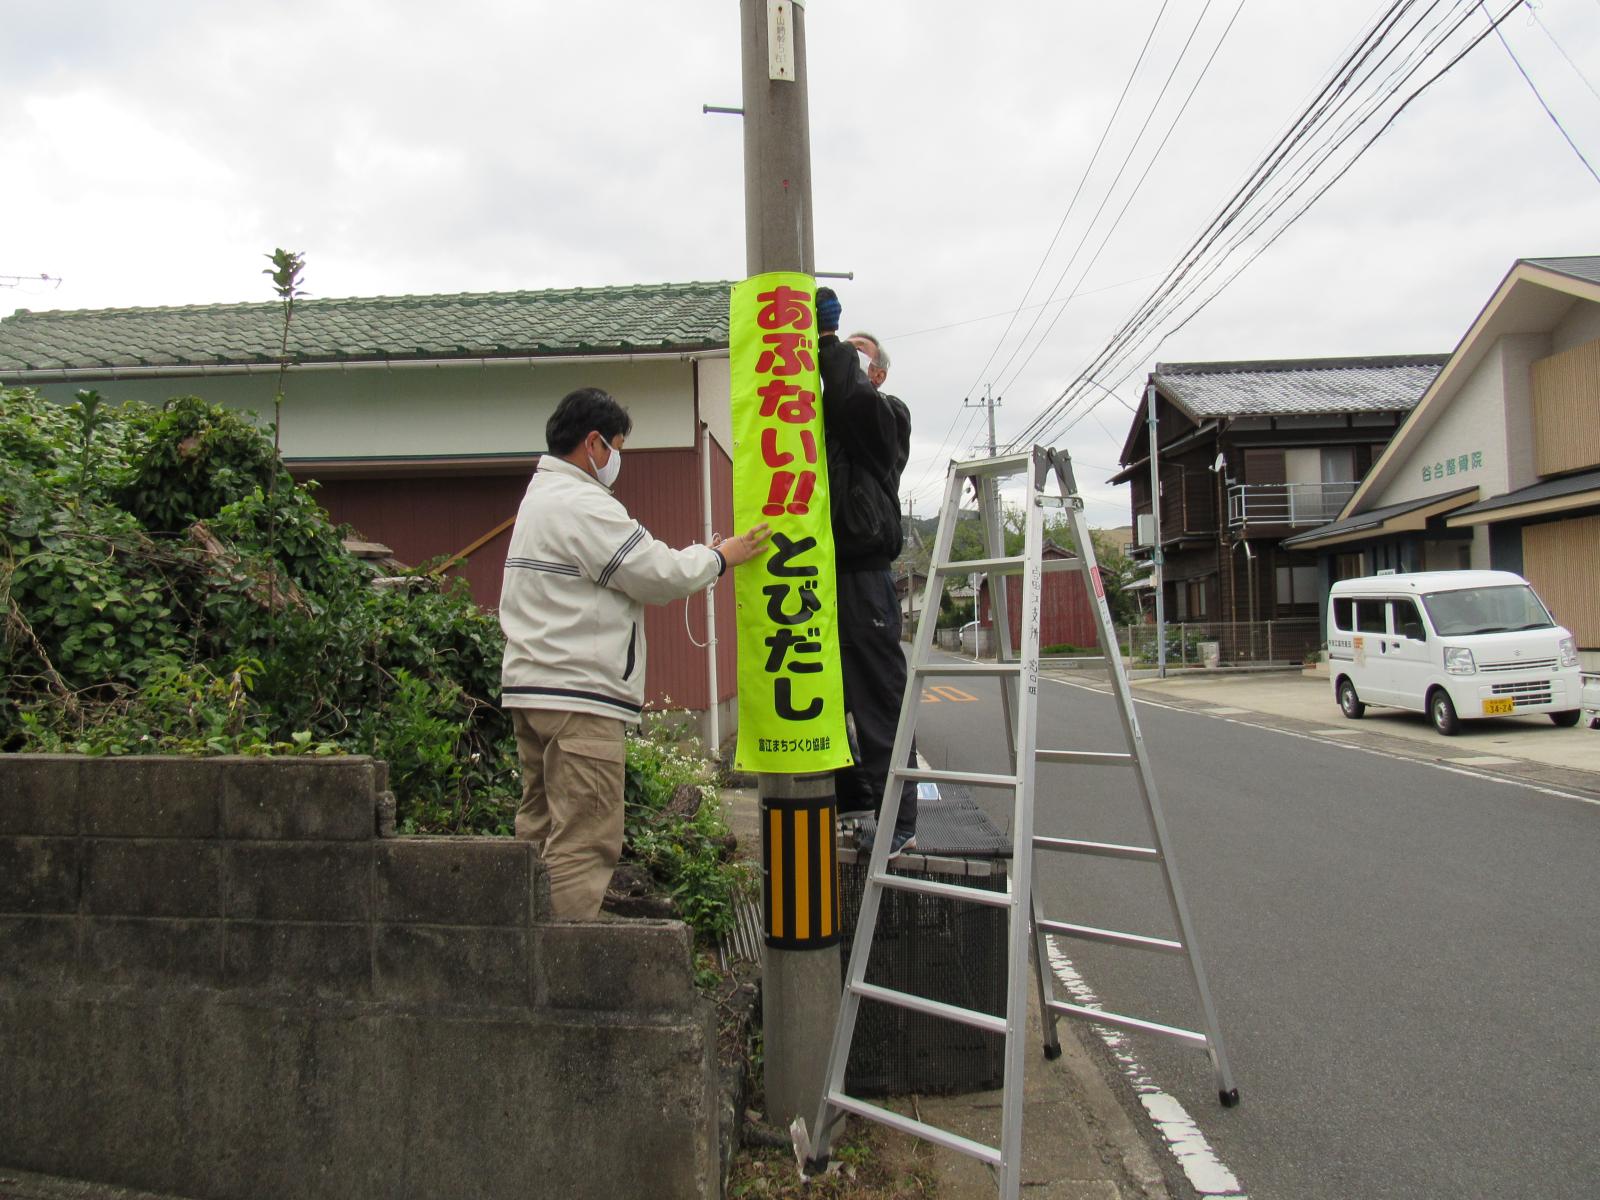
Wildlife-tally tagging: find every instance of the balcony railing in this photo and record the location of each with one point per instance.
(1286, 503)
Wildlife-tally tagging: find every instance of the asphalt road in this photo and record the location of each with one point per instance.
(1405, 960)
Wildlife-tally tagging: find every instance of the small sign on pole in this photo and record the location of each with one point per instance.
(780, 40)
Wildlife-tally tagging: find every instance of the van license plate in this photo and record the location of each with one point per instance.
(1499, 708)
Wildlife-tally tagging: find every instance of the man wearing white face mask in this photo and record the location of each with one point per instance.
(579, 572)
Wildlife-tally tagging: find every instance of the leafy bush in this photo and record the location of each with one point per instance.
(674, 827)
(166, 587)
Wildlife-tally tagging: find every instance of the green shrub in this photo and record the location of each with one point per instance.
(165, 587)
(687, 848)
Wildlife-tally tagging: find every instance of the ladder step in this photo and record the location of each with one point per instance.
(945, 891)
(1000, 464)
(933, 1008)
(1089, 933)
(917, 1129)
(1122, 1022)
(994, 668)
(975, 778)
(1011, 564)
(1084, 758)
(1102, 849)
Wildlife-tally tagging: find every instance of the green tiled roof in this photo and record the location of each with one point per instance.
(641, 318)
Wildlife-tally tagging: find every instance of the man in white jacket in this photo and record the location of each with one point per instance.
(577, 577)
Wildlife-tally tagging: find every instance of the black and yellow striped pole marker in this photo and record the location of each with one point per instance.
(800, 872)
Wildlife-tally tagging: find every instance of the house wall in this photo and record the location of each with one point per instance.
(1066, 616)
(1474, 422)
(463, 409)
(1566, 410)
(1581, 324)
(1562, 561)
(716, 398)
(432, 517)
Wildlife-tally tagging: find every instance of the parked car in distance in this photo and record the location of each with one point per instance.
(1457, 645)
(1591, 700)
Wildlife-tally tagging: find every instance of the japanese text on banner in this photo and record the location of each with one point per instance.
(791, 692)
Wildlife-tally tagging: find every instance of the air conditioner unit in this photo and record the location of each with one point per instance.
(1147, 529)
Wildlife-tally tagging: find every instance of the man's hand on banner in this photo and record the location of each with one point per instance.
(829, 310)
(741, 548)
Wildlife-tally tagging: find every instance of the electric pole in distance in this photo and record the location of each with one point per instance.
(990, 402)
(800, 989)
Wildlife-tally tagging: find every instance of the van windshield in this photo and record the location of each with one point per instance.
(1486, 610)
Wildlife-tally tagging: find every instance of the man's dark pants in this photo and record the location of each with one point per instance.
(874, 683)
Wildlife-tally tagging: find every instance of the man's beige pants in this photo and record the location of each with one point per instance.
(572, 775)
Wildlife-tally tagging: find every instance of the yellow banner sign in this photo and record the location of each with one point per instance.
(791, 693)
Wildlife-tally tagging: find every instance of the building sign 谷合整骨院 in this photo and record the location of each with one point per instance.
(1458, 464)
(791, 692)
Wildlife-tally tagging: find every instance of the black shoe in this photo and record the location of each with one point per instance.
(902, 841)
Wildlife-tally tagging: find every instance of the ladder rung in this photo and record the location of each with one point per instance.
(1133, 1023)
(1102, 849)
(918, 1129)
(947, 891)
(1089, 933)
(933, 1008)
(974, 778)
(966, 566)
(1084, 758)
(994, 668)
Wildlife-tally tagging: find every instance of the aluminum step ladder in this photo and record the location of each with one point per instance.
(1025, 921)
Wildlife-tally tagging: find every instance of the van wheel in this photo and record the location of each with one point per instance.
(1349, 702)
(1443, 713)
(1566, 719)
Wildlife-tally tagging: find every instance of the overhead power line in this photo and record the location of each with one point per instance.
(1133, 192)
(1358, 94)
(1537, 95)
(1078, 191)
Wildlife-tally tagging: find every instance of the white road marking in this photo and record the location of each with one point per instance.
(1313, 737)
(1206, 1172)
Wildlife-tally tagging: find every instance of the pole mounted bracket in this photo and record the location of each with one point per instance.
(721, 108)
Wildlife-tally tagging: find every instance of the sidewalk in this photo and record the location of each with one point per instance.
(1078, 1141)
(1529, 749)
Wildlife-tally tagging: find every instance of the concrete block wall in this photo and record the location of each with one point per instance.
(218, 981)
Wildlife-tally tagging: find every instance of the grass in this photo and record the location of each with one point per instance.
(873, 1164)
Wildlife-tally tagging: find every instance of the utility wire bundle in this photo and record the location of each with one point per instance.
(1358, 102)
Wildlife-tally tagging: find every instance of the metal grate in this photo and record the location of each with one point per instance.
(936, 948)
(1531, 692)
(1531, 664)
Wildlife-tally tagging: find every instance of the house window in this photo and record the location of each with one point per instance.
(1297, 585)
(1347, 566)
(1196, 589)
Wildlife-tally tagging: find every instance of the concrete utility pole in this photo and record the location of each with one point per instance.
(1156, 557)
(990, 402)
(800, 989)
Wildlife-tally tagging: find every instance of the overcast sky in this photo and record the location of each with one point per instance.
(155, 150)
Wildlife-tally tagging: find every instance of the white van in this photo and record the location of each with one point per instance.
(1457, 645)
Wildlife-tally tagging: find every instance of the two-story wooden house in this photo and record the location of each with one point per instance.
(1249, 453)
